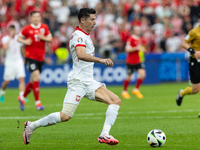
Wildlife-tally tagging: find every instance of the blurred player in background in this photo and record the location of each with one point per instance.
(81, 83)
(13, 65)
(134, 62)
(192, 44)
(34, 37)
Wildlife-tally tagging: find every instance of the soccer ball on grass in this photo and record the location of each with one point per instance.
(156, 138)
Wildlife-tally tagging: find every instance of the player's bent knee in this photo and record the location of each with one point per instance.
(195, 91)
(116, 100)
(36, 79)
(68, 110)
(143, 76)
(128, 77)
(36, 76)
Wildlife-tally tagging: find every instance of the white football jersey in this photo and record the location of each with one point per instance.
(82, 70)
(13, 53)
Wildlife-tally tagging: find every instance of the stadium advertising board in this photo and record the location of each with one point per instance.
(56, 75)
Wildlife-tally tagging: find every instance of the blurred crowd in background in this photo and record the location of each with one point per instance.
(164, 23)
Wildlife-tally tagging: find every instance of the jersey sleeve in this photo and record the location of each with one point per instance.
(5, 39)
(128, 43)
(79, 41)
(190, 37)
(24, 32)
(47, 31)
(20, 44)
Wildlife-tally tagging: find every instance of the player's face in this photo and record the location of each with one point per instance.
(137, 30)
(11, 32)
(36, 18)
(90, 22)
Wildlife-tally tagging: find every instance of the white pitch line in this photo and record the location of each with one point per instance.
(163, 111)
(17, 107)
(92, 114)
(154, 117)
(103, 113)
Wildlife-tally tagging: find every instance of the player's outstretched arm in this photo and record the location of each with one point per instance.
(82, 55)
(186, 46)
(129, 49)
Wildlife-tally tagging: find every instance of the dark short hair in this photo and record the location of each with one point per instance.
(85, 13)
(34, 12)
(11, 27)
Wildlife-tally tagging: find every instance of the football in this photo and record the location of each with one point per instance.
(156, 138)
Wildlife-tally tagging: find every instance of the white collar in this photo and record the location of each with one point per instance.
(34, 26)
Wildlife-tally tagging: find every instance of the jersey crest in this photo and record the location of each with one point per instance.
(42, 30)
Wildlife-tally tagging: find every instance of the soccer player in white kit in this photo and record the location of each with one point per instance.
(81, 83)
(13, 65)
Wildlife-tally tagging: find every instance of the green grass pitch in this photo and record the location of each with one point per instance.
(157, 110)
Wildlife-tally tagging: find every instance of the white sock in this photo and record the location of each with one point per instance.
(51, 119)
(21, 93)
(2, 92)
(37, 102)
(111, 115)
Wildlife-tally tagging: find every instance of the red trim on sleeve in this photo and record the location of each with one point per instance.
(80, 45)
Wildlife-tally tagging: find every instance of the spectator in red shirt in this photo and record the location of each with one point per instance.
(34, 37)
(134, 62)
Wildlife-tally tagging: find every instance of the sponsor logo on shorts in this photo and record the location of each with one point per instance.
(78, 98)
(32, 66)
(129, 71)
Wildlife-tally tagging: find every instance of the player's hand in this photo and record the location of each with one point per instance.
(28, 41)
(107, 62)
(197, 55)
(141, 48)
(41, 36)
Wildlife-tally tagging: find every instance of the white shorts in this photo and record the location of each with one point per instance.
(14, 70)
(77, 90)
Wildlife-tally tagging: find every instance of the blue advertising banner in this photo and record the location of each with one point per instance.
(56, 75)
(173, 67)
(159, 67)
